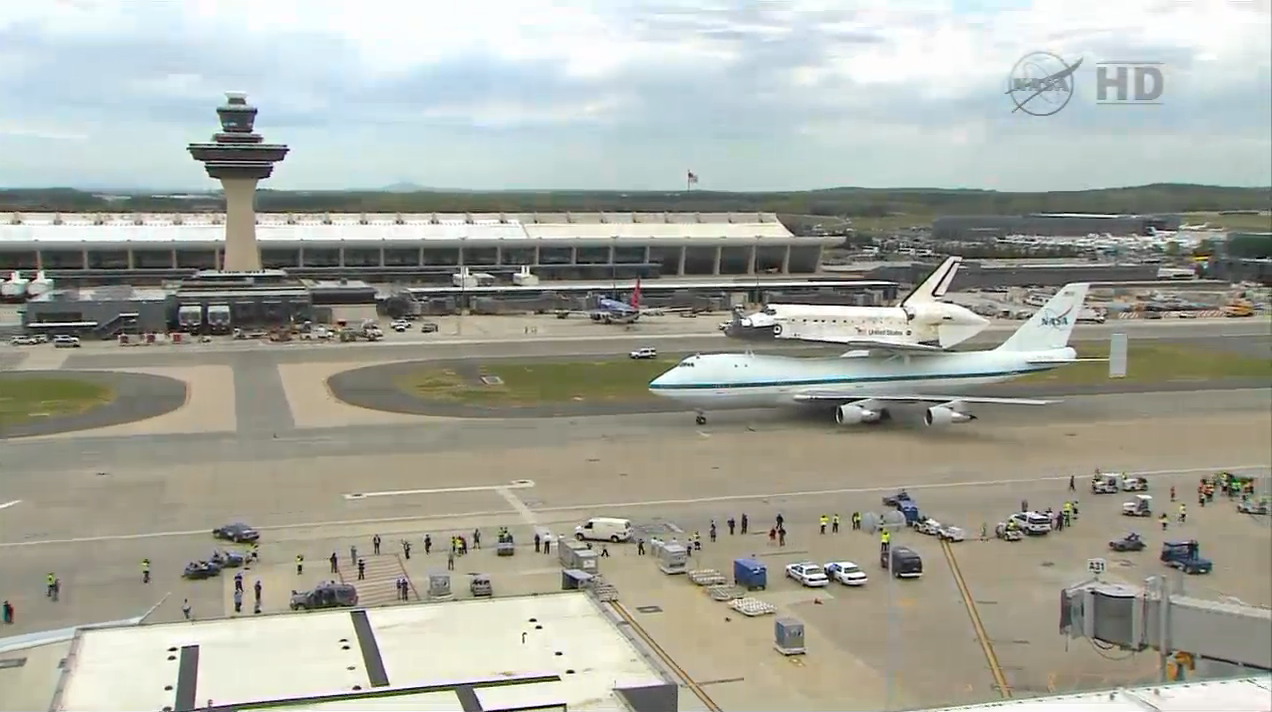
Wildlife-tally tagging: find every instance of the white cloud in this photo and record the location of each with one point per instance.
(629, 93)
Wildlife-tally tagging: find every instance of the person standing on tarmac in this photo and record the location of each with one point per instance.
(834, 524)
(362, 569)
(335, 563)
(300, 564)
(375, 544)
(822, 521)
(8, 613)
(48, 584)
(145, 570)
(238, 601)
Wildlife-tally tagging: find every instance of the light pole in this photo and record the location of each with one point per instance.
(892, 522)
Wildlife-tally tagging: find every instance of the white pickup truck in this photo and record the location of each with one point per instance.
(808, 574)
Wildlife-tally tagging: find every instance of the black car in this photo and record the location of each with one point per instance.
(201, 570)
(906, 562)
(428, 327)
(238, 532)
(325, 595)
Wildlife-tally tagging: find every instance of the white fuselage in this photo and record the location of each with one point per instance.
(720, 381)
(936, 323)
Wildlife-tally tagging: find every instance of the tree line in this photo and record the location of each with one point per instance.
(833, 202)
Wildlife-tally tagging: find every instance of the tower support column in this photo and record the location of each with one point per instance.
(241, 251)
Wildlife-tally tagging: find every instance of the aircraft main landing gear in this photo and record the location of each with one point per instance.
(700, 418)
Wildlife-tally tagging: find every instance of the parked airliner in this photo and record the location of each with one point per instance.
(921, 322)
(861, 384)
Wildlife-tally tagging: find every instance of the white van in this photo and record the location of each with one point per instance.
(604, 529)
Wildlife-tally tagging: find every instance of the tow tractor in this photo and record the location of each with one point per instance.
(1104, 484)
(1186, 556)
(896, 499)
(1130, 542)
(1250, 506)
(1141, 506)
(1134, 484)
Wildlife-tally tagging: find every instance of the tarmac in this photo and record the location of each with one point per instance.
(275, 449)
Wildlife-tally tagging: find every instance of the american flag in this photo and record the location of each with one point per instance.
(691, 178)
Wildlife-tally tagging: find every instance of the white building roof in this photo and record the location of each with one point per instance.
(168, 228)
(1252, 694)
(276, 657)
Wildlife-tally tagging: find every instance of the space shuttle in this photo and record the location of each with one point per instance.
(920, 323)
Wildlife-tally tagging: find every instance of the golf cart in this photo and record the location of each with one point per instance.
(1252, 506)
(1104, 484)
(1141, 506)
(1130, 542)
(1008, 531)
(1134, 484)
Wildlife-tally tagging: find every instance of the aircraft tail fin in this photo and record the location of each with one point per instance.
(936, 284)
(636, 295)
(1052, 325)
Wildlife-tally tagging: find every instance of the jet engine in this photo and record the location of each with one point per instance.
(853, 414)
(939, 415)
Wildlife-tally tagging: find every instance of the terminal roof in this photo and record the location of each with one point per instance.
(1240, 695)
(438, 656)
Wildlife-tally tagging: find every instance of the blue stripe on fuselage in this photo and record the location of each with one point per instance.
(843, 380)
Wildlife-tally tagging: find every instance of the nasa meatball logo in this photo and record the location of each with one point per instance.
(1041, 83)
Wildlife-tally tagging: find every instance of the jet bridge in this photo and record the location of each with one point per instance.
(1141, 617)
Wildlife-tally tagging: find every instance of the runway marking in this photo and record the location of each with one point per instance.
(515, 484)
(610, 505)
(6, 505)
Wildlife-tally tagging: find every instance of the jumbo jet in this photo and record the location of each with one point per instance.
(920, 323)
(860, 385)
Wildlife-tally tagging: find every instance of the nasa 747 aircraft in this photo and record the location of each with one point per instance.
(861, 386)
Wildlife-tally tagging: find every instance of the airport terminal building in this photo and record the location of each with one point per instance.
(425, 247)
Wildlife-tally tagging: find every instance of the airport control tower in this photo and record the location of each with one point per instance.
(239, 158)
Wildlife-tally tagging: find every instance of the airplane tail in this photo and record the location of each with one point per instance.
(1052, 325)
(936, 284)
(636, 295)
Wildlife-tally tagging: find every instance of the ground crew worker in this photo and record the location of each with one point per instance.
(8, 613)
(185, 608)
(238, 601)
(406, 549)
(256, 589)
(362, 570)
(335, 563)
(450, 560)
(1172, 493)
(547, 543)
(885, 538)
(57, 588)
(604, 551)
(300, 564)
(1067, 513)
(428, 544)
(238, 581)
(745, 522)
(1164, 520)
(353, 553)
(834, 524)
(779, 520)
(48, 584)
(712, 531)
(375, 544)
(732, 524)
(1183, 513)
(856, 521)
(822, 521)
(476, 538)
(255, 552)
(640, 547)
(537, 542)
(781, 536)
(1072, 486)
(145, 570)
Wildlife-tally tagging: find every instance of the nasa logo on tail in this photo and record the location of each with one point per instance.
(1056, 321)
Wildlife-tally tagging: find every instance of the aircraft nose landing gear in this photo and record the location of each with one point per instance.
(700, 418)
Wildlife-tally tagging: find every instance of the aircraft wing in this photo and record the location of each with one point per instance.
(883, 345)
(813, 396)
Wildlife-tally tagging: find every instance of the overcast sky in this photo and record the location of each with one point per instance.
(631, 94)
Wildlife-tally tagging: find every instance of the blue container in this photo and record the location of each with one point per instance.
(750, 574)
(910, 510)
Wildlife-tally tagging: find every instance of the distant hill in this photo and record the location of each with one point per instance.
(842, 202)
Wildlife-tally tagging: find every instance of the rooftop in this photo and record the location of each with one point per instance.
(433, 656)
(99, 228)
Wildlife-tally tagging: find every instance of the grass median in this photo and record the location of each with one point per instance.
(23, 400)
(621, 380)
